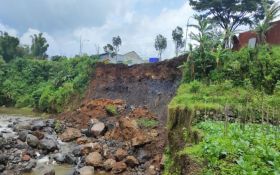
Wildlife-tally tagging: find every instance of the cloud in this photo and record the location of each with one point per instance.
(138, 31)
(26, 39)
(53, 15)
(11, 31)
(95, 22)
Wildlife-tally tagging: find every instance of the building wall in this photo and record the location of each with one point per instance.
(273, 35)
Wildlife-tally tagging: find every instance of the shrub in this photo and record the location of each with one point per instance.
(111, 110)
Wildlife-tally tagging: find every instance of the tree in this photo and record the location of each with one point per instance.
(229, 14)
(160, 44)
(9, 46)
(177, 35)
(39, 46)
(117, 42)
(270, 14)
(206, 41)
(109, 49)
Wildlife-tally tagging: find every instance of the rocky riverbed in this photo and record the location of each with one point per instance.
(93, 139)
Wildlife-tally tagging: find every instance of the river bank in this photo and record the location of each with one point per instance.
(101, 136)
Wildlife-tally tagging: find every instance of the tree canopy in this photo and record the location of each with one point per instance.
(230, 14)
(177, 35)
(39, 46)
(117, 42)
(160, 44)
(9, 47)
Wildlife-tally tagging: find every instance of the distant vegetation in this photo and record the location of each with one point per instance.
(44, 85)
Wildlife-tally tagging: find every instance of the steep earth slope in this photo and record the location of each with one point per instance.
(150, 85)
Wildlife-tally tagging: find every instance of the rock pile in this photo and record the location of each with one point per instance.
(97, 141)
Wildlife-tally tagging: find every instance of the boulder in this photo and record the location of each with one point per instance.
(48, 144)
(38, 125)
(22, 135)
(119, 167)
(50, 123)
(140, 139)
(86, 170)
(98, 129)
(82, 140)
(38, 134)
(143, 156)
(70, 134)
(32, 140)
(25, 125)
(29, 166)
(120, 154)
(70, 159)
(59, 157)
(94, 159)
(131, 161)
(25, 157)
(90, 147)
(4, 159)
(108, 164)
(2, 168)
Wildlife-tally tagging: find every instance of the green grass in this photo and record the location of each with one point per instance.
(199, 96)
(254, 150)
(111, 110)
(147, 123)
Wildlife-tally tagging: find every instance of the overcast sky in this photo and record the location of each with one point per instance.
(63, 22)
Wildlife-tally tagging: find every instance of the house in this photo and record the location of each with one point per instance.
(250, 38)
(129, 58)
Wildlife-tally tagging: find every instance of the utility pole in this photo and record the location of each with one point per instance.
(97, 48)
(187, 30)
(82, 44)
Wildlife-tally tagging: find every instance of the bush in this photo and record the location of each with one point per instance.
(44, 85)
(111, 110)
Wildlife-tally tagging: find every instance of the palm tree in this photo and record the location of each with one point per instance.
(203, 37)
(270, 14)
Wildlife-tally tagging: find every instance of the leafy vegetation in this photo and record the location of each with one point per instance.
(239, 88)
(111, 110)
(229, 15)
(147, 123)
(44, 85)
(251, 150)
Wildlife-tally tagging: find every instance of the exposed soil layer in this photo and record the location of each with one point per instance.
(151, 85)
(145, 143)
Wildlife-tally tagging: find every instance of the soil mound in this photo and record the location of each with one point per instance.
(131, 135)
(149, 85)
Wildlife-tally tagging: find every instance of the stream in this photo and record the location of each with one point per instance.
(10, 116)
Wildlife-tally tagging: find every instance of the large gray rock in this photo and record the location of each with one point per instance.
(3, 159)
(48, 145)
(59, 157)
(38, 124)
(22, 135)
(32, 140)
(25, 125)
(86, 170)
